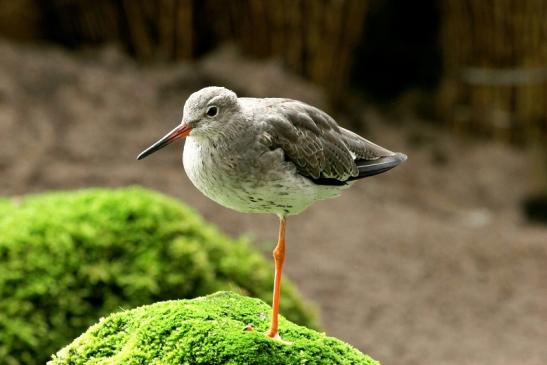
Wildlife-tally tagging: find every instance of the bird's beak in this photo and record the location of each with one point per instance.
(179, 132)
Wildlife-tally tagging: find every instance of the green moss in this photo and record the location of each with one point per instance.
(207, 330)
(6, 206)
(68, 258)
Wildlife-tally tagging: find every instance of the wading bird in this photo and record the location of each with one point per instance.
(270, 155)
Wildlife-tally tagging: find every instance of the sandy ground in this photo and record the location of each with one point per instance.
(430, 263)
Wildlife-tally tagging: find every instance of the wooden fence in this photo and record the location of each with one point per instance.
(314, 38)
(495, 68)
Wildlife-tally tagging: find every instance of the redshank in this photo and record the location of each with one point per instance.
(270, 155)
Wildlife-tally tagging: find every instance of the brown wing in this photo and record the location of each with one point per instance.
(311, 139)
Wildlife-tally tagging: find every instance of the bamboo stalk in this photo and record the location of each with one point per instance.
(136, 20)
(184, 26)
(167, 28)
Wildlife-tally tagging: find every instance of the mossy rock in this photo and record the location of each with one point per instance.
(68, 258)
(208, 330)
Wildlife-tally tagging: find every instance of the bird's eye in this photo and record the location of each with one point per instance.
(212, 111)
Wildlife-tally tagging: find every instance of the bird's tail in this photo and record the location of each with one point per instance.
(377, 166)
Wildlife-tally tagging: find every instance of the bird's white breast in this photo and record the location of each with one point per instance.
(249, 186)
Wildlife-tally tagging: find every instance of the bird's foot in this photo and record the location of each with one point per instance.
(276, 337)
(272, 334)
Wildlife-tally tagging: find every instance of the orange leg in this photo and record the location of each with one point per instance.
(279, 258)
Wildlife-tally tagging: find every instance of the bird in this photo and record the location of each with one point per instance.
(270, 155)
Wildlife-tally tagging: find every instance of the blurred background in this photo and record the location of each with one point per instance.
(440, 261)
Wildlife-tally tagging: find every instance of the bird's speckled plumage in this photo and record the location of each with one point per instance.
(270, 155)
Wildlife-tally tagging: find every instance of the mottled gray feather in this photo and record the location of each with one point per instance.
(313, 141)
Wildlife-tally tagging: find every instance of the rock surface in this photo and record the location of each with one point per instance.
(68, 258)
(205, 330)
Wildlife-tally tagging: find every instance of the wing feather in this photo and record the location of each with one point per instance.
(313, 141)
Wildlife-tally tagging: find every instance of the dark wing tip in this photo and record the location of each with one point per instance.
(401, 157)
(367, 168)
(379, 165)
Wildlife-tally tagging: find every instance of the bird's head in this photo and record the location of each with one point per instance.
(209, 109)
(206, 113)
